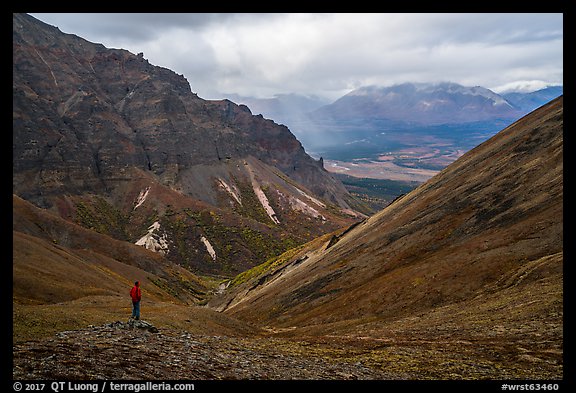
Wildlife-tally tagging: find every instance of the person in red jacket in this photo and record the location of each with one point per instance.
(136, 295)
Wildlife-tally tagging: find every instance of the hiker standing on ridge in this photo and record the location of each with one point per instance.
(136, 295)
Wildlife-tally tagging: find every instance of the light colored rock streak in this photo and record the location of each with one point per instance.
(316, 201)
(209, 248)
(265, 203)
(262, 197)
(230, 190)
(298, 205)
(141, 197)
(153, 242)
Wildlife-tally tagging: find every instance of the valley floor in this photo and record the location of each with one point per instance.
(117, 351)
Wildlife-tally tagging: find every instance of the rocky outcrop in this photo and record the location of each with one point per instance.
(133, 324)
(113, 352)
(118, 351)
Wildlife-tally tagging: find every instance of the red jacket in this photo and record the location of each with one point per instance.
(135, 294)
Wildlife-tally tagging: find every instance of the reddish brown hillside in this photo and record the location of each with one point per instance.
(475, 253)
(55, 260)
(68, 277)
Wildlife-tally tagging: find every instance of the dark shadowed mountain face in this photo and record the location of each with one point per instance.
(472, 256)
(85, 114)
(126, 148)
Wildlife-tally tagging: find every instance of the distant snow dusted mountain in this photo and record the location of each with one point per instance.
(411, 125)
(371, 114)
(421, 103)
(529, 101)
(448, 116)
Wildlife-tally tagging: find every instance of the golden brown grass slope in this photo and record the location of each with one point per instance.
(67, 277)
(471, 262)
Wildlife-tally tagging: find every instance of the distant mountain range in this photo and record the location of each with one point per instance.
(419, 104)
(527, 102)
(366, 112)
(413, 103)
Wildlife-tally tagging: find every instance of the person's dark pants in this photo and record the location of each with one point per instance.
(136, 310)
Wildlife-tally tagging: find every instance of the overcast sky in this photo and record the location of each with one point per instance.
(329, 55)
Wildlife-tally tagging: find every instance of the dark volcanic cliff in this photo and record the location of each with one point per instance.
(85, 114)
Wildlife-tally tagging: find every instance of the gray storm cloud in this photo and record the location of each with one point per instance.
(330, 54)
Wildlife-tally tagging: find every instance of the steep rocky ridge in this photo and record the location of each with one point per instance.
(473, 256)
(107, 110)
(126, 148)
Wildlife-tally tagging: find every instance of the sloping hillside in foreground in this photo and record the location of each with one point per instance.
(67, 277)
(466, 270)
